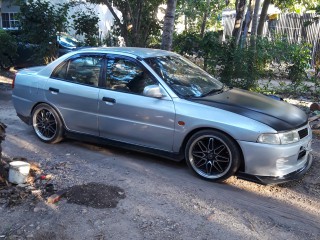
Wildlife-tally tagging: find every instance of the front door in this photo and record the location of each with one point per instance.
(126, 115)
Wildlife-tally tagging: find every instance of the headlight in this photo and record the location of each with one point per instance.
(279, 138)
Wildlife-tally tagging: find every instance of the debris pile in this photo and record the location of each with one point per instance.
(38, 186)
(2, 136)
(314, 119)
(3, 165)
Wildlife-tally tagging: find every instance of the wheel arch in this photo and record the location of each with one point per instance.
(56, 109)
(191, 133)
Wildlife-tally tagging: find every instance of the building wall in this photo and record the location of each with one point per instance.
(6, 6)
(105, 23)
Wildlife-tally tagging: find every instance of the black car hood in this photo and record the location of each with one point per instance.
(279, 115)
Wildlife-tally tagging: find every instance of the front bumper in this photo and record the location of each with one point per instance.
(267, 180)
(272, 164)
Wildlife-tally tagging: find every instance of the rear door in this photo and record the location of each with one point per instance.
(126, 115)
(73, 90)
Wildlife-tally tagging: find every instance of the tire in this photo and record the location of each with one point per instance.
(47, 124)
(212, 155)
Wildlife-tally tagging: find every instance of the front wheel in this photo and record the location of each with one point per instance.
(212, 155)
(47, 124)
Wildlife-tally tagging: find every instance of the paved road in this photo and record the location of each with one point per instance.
(162, 199)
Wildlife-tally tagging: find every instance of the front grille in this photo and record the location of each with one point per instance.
(303, 133)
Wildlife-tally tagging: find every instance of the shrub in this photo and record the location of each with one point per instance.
(8, 49)
(242, 66)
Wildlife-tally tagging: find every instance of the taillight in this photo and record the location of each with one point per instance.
(13, 80)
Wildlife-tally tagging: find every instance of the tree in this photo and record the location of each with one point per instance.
(39, 22)
(8, 50)
(255, 19)
(168, 25)
(200, 15)
(290, 5)
(263, 16)
(139, 19)
(86, 23)
(240, 8)
(205, 18)
(248, 19)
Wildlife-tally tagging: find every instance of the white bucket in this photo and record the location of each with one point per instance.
(18, 172)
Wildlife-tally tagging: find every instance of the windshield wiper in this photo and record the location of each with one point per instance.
(213, 91)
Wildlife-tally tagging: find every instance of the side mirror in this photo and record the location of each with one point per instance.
(152, 91)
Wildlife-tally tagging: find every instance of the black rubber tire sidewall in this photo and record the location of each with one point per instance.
(234, 149)
(59, 129)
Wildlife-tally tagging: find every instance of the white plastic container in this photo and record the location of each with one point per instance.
(18, 172)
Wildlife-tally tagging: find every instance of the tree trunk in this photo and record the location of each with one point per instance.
(239, 18)
(263, 16)
(248, 20)
(205, 18)
(168, 26)
(255, 18)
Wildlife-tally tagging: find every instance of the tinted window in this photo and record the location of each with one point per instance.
(127, 76)
(84, 70)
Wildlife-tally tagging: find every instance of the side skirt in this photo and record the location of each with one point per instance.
(104, 141)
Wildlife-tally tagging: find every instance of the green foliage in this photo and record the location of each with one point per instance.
(111, 39)
(244, 66)
(297, 6)
(40, 21)
(193, 13)
(300, 56)
(139, 20)
(86, 23)
(8, 48)
(187, 43)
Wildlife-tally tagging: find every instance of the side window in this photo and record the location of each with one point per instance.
(84, 70)
(127, 76)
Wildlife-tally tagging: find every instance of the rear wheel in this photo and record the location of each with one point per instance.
(212, 155)
(47, 124)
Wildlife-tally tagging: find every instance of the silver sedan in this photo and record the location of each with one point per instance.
(158, 102)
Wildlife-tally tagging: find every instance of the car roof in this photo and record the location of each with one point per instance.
(139, 52)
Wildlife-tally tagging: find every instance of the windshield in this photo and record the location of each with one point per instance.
(185, 78)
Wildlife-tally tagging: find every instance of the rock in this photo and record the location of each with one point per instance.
(314, 107)
(316, 126)
(38, 209)
(21, 185)
(36, 192)
(29, 236)
(84, 210)
(56, 197)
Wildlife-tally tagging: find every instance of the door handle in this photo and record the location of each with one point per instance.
(53, 89)
(110, 100)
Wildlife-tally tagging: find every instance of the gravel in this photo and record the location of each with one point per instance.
(153, 198)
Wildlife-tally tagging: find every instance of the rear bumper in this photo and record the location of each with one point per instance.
(267, 180)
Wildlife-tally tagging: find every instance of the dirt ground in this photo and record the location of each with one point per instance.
(118, 194)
